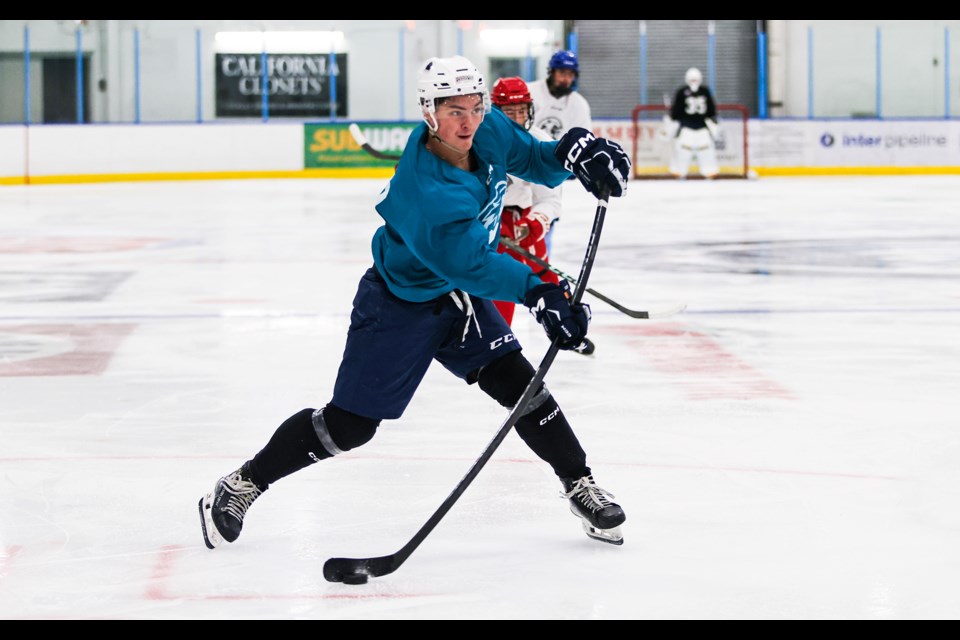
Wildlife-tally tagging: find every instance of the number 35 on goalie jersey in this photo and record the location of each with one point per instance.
(692, 108)
(695, 105)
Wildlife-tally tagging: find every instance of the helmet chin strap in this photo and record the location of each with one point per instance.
(460, 155)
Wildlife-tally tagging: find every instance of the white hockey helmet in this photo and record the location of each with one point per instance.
(445, 78)
(693, 78)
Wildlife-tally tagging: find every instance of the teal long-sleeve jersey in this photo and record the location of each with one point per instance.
(442, 224)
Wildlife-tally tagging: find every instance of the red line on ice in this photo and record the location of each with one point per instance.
(698, 363)
(161, 571)
(7, 557)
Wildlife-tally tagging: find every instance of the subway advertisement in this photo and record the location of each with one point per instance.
(331, 145)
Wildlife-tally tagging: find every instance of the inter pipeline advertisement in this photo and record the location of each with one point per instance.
(853, 143)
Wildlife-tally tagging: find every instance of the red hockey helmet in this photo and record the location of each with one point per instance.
(513, 91)
(510, 91)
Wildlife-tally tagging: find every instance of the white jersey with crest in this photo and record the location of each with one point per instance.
(539, 198)
(556, 116)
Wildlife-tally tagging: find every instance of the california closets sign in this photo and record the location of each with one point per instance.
(297, 85)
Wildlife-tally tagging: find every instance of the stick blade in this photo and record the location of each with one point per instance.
(666, 313)
(336, 569)
(357, 134)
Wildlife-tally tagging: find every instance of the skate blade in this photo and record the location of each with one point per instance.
(210, 536)
(610, 536)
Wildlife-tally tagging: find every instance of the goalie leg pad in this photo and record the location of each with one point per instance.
(707, 161)
(680, 162)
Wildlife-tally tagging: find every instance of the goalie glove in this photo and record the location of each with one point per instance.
(668, 129)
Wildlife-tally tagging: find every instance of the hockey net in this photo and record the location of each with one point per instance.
(651, 151)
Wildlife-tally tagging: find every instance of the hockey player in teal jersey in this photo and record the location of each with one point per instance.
(443, 221)
(427, 298)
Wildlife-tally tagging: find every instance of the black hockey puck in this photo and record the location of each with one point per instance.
(355, 578)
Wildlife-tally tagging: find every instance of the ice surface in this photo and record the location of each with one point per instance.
(788, 447)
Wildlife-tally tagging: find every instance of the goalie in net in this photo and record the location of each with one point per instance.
(692, 137)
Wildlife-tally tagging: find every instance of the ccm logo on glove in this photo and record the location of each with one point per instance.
(578, 146)
(600, 164)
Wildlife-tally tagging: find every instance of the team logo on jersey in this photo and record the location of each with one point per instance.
(384, 193)
(552, 127)
(490, 214)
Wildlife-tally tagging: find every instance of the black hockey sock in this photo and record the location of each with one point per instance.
(307, 437)
(341, 430)
(294, 445)
(544, 428)
(547, 432)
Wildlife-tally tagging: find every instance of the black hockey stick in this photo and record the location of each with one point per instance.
(362, 141)
(642, 315)
(357, 570)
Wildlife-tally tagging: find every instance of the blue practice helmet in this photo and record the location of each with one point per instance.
(564, 60)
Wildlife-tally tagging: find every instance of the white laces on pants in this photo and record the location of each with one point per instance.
(462, 300)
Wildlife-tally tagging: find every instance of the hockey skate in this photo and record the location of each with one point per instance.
(601, 518)
(222, 510)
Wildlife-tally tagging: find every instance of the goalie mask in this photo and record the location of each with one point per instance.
(693, 78)
(445, 78)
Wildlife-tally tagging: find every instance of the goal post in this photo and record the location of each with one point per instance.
(652, 151)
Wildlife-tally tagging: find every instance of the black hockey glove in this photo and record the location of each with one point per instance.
(600, 164)
(550, 304)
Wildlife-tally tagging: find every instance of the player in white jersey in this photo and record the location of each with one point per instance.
(529, 209)
(558, 106)
(693, 126)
